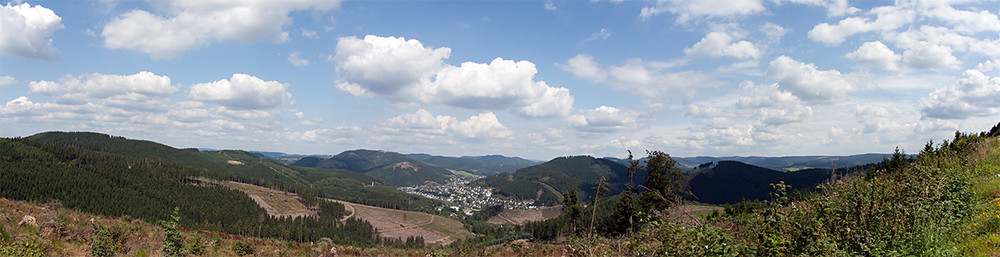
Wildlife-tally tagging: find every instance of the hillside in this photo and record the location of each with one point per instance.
(393, 168)
(479, 165)
(789, 163)
(547, 182)
(730, 182)
(148, 188)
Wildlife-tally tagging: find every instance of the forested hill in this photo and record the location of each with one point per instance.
(393, 168)
(246, 167)
(89, 179)
(547, 182)
(730, 182)
(479, 165)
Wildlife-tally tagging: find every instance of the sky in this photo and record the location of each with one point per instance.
(535, 79)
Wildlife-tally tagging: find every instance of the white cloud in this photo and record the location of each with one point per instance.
(189, 24)
(774, 32)
(87, 88)
(770, 105)
(976, 94)
(806, 82)
(584, 66)
(887, 18)
(26, 31)
(402, 70)
(876, 54)
(7, 81)
(833, 7)
(386, 66)
(688, 10)
(484, 125)
(603, 34)
(963, 20)
(929, 56)
(603, 119)
(718, 44)
(309, 33)
(295, 60)
(877, 118)
(242, 92)
(549, 5)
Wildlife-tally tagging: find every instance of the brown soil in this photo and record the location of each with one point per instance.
(520, 217)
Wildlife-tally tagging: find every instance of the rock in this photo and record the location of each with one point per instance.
(28, 219)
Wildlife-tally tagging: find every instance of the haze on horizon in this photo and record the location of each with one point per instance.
(533, 79)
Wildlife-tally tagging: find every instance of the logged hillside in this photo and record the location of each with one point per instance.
(148, 188)
(547, 182)
(393, 168)
(250, 168)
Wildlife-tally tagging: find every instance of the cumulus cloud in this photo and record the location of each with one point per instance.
(87, 88)
(26, 31)
(833, 7)
(929, 56)
(770, 105)
(385, 66)
(646, 78)
(688, 10)
(181, 25)
(887, 18)
(876, 54)
(976, 94)
(405, 71)
(484, 125)
(807, 82)
(603, 119)
(7, 81)
(584, 66)
(296, 60)
(242, 92)
(719, 44)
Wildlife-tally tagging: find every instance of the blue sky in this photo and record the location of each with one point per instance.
(536, 79)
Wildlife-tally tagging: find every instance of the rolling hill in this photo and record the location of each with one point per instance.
(479, 165)
(729, 182)
(547, 182)
(393, 168)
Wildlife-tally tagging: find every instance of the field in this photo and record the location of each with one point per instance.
(435, 230)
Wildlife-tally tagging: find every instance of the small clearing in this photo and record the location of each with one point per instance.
(234, 162)
(276, 203)
(521, 217)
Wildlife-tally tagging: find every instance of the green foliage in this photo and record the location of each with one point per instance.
(173, 243)
(244, 248)
(672, 239)
(571, 210)
(109, 241)
(22, 248)
(663, 182)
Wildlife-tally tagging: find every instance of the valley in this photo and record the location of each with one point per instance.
(371, 199)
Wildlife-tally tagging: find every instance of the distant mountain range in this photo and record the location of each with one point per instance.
(789, 163)
(413, 169)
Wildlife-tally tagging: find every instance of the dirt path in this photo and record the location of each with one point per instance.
(353, 211)
(411, 226)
